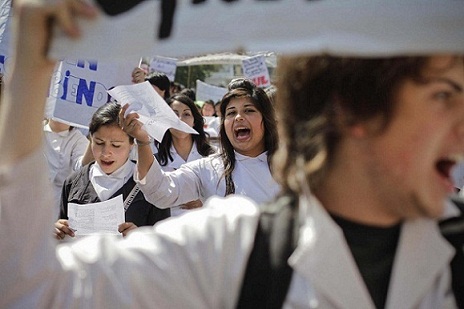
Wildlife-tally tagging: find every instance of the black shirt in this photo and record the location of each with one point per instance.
(373, 249)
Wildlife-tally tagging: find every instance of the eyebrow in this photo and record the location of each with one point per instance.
(453, 84)
(245, 105)
(102, 140)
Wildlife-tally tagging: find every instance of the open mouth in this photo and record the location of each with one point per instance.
(106, 163)
(242, 133)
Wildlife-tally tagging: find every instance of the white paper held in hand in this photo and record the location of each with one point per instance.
(155, 114)
(101, 217)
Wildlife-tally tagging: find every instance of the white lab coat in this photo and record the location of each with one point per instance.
(176, 163)
(203, 178)
(193, 261)
(64, 152)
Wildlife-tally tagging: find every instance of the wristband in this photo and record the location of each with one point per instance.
(140, 143)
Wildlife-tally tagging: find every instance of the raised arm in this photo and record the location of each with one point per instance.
(163, 189)
(133, 127)
(22, 107)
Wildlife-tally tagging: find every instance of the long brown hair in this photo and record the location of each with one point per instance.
(246, 88)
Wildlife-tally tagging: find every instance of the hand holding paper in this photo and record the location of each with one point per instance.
(155, 115)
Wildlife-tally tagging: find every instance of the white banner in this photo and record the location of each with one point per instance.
(255, 68)
(78, 88)
(206, 92)
(348, 27)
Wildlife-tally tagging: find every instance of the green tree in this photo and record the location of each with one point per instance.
(187, 75)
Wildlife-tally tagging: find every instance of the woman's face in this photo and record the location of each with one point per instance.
(207, 110)
(185, 114)
(244, 127)
(110, 147)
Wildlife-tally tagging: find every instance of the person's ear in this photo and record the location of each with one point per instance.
(346, 123)
(357, 130)
(350, 125)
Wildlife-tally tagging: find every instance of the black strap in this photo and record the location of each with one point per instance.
(453, 230)
(268, 275)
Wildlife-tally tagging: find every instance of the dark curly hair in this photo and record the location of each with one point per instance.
(315, 91)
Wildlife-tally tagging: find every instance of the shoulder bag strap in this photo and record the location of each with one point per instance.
(268, 275)
(130, 198)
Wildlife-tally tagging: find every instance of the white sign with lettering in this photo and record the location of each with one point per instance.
(348, 27)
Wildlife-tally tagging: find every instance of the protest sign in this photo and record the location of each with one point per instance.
(79, 88)
(206, 92)
(255, 68)
(349, 27)
(164, 65)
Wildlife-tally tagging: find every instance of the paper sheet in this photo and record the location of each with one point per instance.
(103, 217)
(156, 116)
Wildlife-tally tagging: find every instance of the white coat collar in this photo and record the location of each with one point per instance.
(262, 157)
(192, 154)
(325, 260)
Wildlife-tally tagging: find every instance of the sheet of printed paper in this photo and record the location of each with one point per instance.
(156, 116)
(103, 217)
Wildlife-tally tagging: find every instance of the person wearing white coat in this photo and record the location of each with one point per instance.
(178, 148)
(65, 148)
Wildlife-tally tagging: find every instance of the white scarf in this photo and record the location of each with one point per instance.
(106, 185)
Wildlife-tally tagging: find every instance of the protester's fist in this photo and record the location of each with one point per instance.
(138, 75)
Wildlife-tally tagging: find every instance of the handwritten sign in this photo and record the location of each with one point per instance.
(164, 65)
(79, 88)
(205, 92)
(255, 68)
(348, 27)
